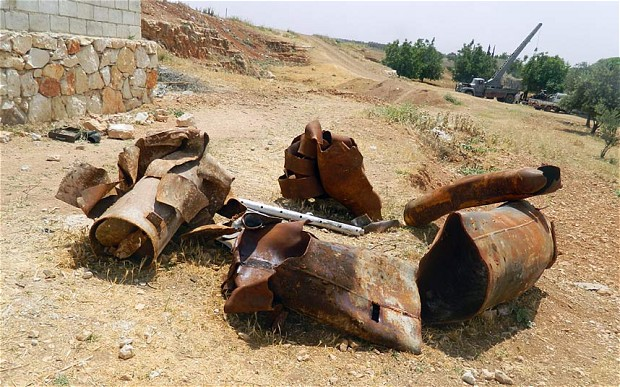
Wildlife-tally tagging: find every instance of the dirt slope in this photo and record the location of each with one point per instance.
(555, 334)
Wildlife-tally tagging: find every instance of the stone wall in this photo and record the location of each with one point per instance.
(47, 76)
(107, 18)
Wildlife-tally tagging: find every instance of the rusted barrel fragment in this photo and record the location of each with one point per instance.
(355, 290)
(481, 259)
(482, 189)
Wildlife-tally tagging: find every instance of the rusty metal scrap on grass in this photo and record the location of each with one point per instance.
(481, 259)
(165, 180)
(320, 163)
(356, 290)
(482, 189)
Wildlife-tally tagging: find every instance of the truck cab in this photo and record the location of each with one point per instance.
(478, 86)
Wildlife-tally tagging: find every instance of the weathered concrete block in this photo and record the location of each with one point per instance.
(59, 23)
(134, 5)
(89, 60)
(85, 11)
(17, 21)
(67, 8)
(49, 7)
(39, 22)
(115, 15)
(122, 31)
(121, 4)
(26, 5)
(77, 26)
(101, 14)
(94, 28)
(40, 109)
(135, 32)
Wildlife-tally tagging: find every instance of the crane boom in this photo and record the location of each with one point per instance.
(496, 80)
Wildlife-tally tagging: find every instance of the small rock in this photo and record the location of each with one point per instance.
(48, 274)
(604, 291)
(53, 158)
(35, 136)
(343, 346)
(333, 380)
(332, 356)
(353, 345)
(153, 374)
(124, 342)
(140, 306)
(93, 125)
(185, 120)
(120, 131)
(33, 334)
(503, 310)
(489, 314)
(502, 378)
(486, 374)
(125, 377)
(301, 358)
(87, 275)
(591, 286)
(243, 336)
(84, 335)
(126, 352)
(468, 377)
(5, 137)
(520, 359)
(80, 147)
(25, 168)
(34, 342)
(141, 118)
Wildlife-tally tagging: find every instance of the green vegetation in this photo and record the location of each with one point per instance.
(610, 121)
(420, 60)
(593, 89)
(452, 99)
(61, 380)
(472, 61)
(544, 72)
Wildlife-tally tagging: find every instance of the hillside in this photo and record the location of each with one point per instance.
(64, 311)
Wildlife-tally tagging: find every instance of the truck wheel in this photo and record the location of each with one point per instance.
(510, 98)
(501, 99)
(469, 92)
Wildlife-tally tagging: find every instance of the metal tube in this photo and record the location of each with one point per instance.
(294, 215)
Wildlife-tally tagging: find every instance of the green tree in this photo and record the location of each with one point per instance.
(420, 60)
(610, 121)
(544, 72)
(472, 61)
(593, 89)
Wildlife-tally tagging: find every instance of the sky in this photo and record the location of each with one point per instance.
(578, 31)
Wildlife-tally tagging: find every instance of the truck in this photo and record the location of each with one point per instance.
(493, 88)
(548, 103)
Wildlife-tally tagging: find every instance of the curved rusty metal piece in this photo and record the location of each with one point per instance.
(342, 174)
(313, 136)
(481, 259)
(482, 189)
(355, 290)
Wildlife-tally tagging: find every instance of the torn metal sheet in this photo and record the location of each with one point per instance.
(355, 290)
(166, 180)
(481, 259)
(482, 189)
(319, 162)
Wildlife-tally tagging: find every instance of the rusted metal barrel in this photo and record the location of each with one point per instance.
(355, 290)
(481, 259)
(482, 189)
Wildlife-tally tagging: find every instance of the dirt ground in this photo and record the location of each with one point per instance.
(554, 334)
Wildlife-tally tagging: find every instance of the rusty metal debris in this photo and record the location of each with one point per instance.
(165, 180)
(321, 163)
(361, 292)
(482, 189)
(481, 259)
